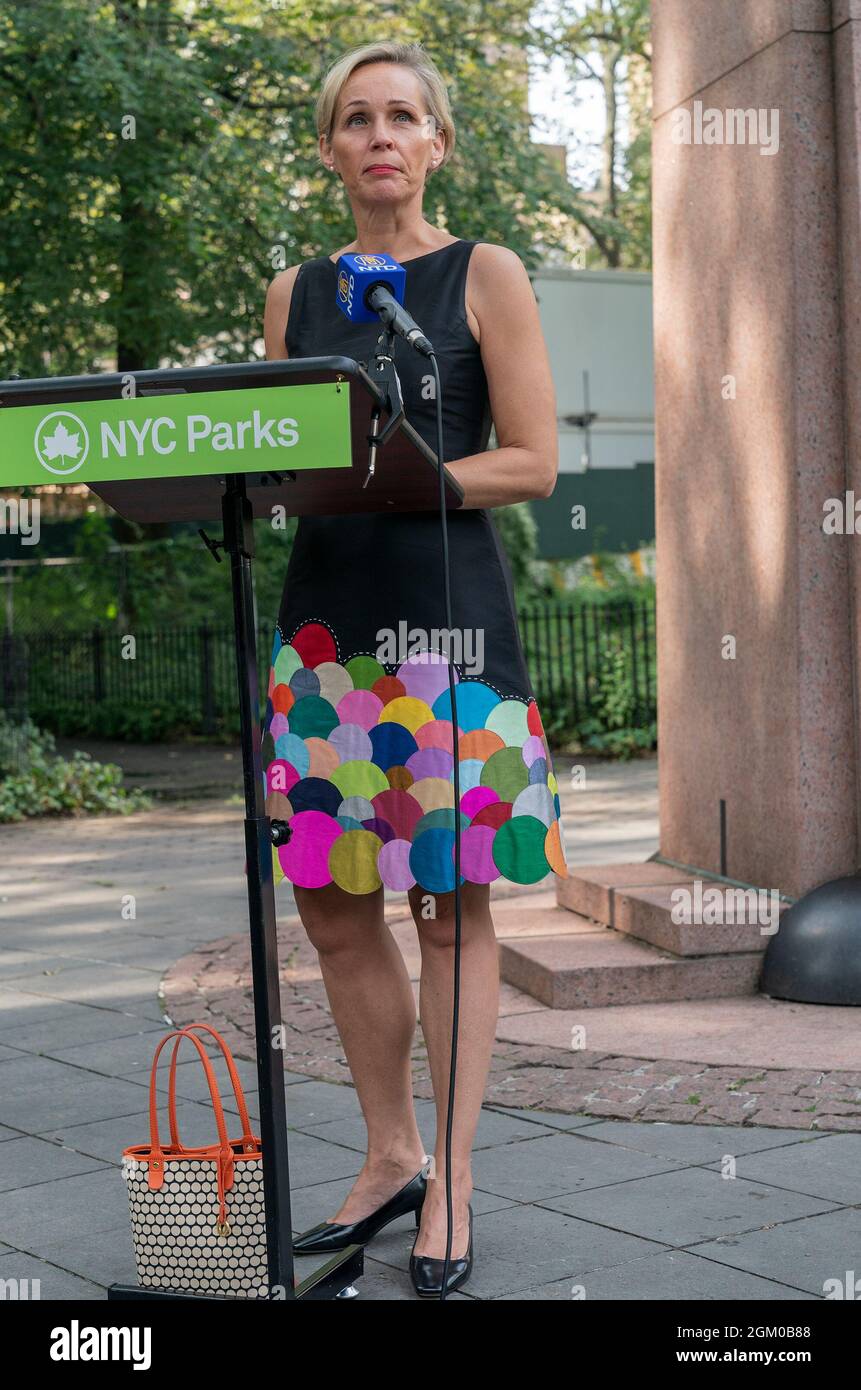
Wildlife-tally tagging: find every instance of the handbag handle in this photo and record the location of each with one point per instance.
(155, 1161)
(249, 1140)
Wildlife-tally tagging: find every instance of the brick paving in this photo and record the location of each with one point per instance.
(213, 984)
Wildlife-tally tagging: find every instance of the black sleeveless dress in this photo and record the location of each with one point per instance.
(357, 733)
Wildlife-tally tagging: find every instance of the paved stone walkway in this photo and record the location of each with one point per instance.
(570, 1201)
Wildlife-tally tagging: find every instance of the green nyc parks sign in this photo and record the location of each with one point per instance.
(161, 436)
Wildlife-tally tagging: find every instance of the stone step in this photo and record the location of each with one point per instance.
(641, 900)
(590, 888)
(648, 913)
(595, 966)
(537, 916)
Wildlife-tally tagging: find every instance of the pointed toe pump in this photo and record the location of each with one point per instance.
(332, 1235)
(426, 1272)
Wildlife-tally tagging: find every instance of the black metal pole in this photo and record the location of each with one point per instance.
(239, 543)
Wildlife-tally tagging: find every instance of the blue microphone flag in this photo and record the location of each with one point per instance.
(357, 273)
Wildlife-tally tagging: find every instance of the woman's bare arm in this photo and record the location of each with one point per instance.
(275, 313)
(520, 384)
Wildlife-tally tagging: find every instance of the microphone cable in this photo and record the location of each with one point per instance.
(457, 928)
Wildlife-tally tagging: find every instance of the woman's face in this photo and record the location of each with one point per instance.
(384, 140)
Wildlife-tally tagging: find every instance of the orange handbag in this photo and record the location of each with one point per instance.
(197, 1214)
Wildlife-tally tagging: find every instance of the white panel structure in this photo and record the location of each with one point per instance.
(600, 321)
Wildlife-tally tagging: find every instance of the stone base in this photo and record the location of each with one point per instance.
(621, 944)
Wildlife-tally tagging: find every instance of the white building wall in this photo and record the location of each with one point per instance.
(600, 321)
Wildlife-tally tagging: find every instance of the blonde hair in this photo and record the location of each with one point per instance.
(413, 56)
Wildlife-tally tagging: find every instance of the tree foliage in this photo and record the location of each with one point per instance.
(159, 165)
(608, 42)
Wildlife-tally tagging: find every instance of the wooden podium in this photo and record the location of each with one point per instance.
(352, 452)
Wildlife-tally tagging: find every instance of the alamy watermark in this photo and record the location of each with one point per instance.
(714, 906)
(21, 516)
(734, 126)
(80, 1342)
(16, 1290)
(842, 515)
(463, 646)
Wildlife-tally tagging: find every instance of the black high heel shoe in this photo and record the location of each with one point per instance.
(334, 1235)
(426, 1272)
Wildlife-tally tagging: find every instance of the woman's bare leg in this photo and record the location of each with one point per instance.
(374, 1010)
(479, 1008)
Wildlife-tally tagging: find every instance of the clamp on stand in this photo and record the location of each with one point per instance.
(383, 373)
(212, 545)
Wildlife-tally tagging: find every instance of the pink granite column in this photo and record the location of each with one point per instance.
(846, 20)
(757, 407)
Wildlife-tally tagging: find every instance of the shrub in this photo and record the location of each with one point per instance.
(34, 781)
(118, 719)
(612, 725)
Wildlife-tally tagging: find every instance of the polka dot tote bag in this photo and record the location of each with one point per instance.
(197, 1214)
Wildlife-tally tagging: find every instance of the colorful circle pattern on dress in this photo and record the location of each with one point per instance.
(360, 761)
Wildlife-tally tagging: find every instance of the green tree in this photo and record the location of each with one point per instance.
(159, 165)
(608, 43)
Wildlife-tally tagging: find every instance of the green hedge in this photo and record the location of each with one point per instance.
(34, 781)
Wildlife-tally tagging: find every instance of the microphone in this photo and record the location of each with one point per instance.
(372, 286)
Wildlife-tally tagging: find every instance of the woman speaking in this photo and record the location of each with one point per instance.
(359, 728)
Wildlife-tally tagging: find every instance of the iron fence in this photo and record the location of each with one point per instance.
(592, 660)
(586, 660)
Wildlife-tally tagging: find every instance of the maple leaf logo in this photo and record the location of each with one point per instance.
(61, 444)
(62, 451)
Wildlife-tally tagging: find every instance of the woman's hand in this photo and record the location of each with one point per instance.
(520, 384)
